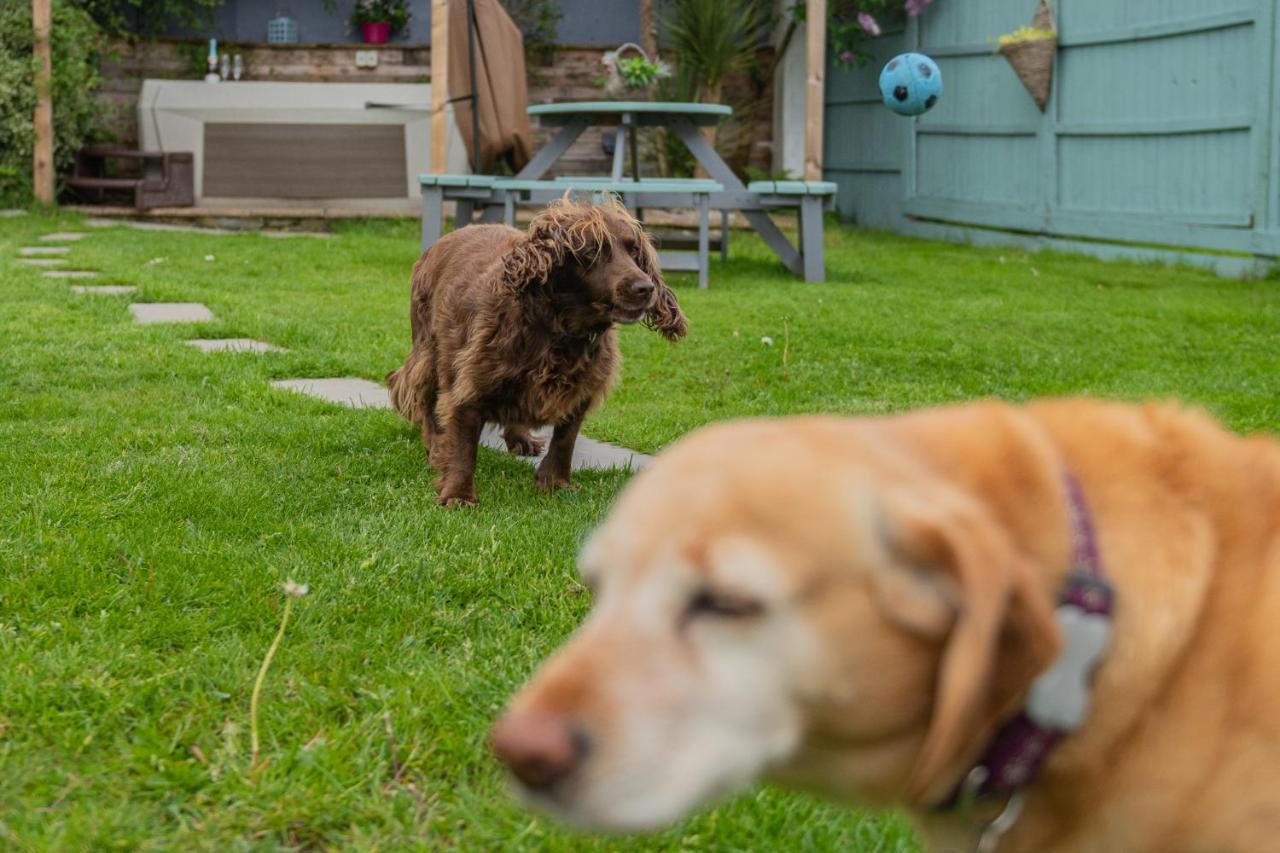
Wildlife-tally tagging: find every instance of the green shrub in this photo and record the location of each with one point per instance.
(76, 41)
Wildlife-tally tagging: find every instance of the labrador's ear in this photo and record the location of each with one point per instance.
(955, 575)
(665, 317)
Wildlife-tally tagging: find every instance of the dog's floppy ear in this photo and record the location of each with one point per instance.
(541, 250)
(1002, 631)
(665, 317)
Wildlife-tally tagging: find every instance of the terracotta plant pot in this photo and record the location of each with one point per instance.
(376, 32)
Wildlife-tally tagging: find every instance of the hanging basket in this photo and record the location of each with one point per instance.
(1032, 56)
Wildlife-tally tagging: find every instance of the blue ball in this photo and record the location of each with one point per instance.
(911, 84)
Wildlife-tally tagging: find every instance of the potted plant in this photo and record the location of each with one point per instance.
(379, 20)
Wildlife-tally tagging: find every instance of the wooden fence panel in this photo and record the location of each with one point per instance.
(865, 144)
(1159, 130)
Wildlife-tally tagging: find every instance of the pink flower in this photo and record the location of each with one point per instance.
(915, 7)
(847, 57)
(869, 23)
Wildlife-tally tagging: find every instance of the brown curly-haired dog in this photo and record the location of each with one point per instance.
(518, 328)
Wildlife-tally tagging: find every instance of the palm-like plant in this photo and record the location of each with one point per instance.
(713, 38)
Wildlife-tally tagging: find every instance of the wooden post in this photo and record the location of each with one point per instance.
(648, 29)
(815, 73)
(439, 86)
(42, 157)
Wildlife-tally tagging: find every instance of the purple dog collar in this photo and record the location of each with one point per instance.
(1059, 698)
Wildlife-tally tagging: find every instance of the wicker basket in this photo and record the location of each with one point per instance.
(1032, 60)
(615, 87)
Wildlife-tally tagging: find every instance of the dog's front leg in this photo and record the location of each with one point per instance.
(553, 471)
(457, 480)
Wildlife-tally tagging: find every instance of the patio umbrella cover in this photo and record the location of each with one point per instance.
(501, 84)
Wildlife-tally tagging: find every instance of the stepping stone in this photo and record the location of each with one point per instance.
(361, 394)
(63, 236)
(346, 391)
(170, 312)
(104, 289)
(587, 452)
(12, 213)
(27, 251)
(41, 262)
(233, 345)
(70, 274)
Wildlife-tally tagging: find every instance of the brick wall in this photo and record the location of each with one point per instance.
(574, 75)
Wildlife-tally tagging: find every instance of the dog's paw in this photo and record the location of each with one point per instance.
(457, 501)
(551, 481)
(525, 444)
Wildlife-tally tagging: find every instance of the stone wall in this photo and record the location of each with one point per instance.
(574, 75)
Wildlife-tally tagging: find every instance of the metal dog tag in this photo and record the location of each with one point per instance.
(1060, 697)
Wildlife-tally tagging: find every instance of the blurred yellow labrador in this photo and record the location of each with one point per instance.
(857, 606)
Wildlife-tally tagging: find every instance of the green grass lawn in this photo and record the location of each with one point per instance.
(153, 499)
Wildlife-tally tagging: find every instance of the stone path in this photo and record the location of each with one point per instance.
(233, 345)
(363, 394)
(70, 274)
(12, 213)
(104, 289)
(587, 452)
(170, 312)
(347, 391)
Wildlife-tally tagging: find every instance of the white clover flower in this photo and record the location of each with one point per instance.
(295, 590)
(767, 341)
(208, 257)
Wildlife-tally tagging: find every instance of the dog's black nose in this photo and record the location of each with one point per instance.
(539, 749)
(641, 288)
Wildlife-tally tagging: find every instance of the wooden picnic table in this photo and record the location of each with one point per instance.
(574, 117)
(496, 197)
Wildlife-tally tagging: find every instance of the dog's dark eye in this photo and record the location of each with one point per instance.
(706, 602)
